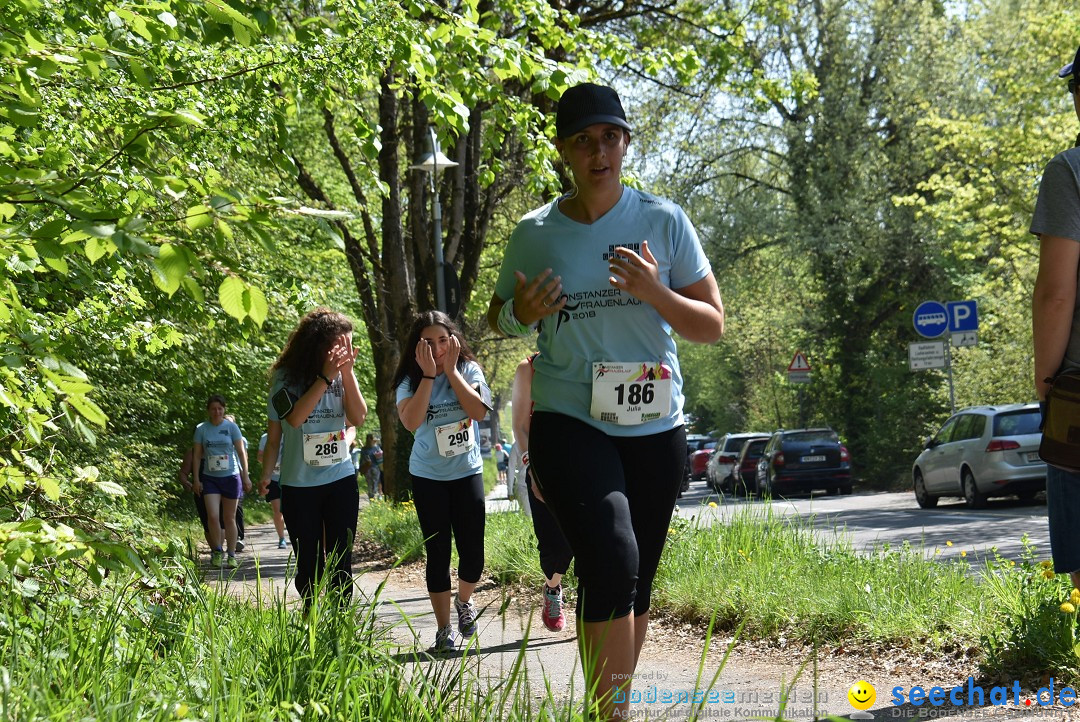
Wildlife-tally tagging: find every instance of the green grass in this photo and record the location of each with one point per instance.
(163, 646)
(775, 578)
(174, 650)
(773, 574)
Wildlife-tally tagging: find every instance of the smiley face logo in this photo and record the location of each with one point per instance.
(861, 695)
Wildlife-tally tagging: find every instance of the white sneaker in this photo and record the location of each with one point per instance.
(445, 643)
(240, 545)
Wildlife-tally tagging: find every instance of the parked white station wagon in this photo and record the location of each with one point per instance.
(982, 451)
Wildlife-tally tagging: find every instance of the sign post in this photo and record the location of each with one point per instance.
(798, 371)
(958, 320)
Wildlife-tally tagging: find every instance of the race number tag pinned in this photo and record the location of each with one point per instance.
(455, 438)
(218, 462)
(630, 393)
(325, 448)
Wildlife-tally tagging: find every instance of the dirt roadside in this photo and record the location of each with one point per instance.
(750, 684)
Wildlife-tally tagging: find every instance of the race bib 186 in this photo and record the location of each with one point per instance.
(630, 393)
(325, 448)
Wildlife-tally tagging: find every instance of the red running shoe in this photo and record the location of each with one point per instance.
(553, 616)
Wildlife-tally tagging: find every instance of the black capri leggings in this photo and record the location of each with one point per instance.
(613, 497)
(555, 552)
(315, 513)
(454, 506)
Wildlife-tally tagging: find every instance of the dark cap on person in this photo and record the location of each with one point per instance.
(1072, 68)
(587, 104)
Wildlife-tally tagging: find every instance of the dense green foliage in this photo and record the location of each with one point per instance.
(180, 180)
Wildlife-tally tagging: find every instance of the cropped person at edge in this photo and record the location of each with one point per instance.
(1056, 320)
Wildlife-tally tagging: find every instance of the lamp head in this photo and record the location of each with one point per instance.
(432, 160)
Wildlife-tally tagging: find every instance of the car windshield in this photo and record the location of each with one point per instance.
(813, 437)
(709, 445)
(1017, 423)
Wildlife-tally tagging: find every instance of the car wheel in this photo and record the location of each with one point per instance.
(972, 496)
(922, 496)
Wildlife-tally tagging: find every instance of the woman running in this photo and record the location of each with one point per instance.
(219, 442)
(609, 272)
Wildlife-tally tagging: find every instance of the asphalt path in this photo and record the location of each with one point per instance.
(873, 519)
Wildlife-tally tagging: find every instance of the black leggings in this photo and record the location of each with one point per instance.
(454, 506)
(613, 497)
(311, 511)
(555, 552)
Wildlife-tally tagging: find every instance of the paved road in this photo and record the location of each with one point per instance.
(750, 680)
(875, 518)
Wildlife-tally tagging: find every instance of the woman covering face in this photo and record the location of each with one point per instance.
(313, 409)
(441, 394)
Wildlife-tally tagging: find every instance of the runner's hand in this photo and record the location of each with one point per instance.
(424, 358)
(339, 357)
(538, 298)
(636, 274)
(453, 353)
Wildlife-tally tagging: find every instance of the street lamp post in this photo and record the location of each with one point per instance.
(432, 161)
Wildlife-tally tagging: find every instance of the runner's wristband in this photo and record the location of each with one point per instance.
(525, 458)
(509, 323)
(328, 381)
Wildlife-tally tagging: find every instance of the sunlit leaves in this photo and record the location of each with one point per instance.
(242, 300)
(172, 265)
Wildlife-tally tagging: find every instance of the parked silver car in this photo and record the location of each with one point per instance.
(982, 451)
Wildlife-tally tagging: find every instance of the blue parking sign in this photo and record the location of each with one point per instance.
(963, 316)
(931, 319)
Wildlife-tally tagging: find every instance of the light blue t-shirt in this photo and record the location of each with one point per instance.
(327, 419)
(599, 322)
(275, 475)
(218, 443)
(444, 408)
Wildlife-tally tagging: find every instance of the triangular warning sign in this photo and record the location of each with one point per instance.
(799, 363)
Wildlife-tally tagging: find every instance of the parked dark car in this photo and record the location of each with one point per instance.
(804, 460)
(718, 471)
(982, 451)
(743, 478)
(694, 443)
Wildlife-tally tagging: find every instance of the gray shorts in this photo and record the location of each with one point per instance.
(1063, 509)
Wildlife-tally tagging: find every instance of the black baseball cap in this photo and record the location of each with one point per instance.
(587, 104)
(1072, 68)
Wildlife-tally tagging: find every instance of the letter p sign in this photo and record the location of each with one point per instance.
(963, 316)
